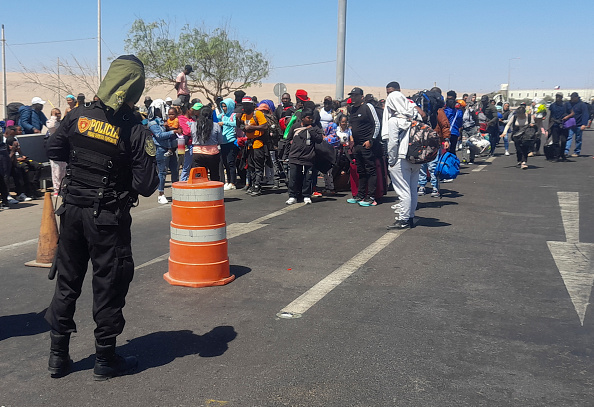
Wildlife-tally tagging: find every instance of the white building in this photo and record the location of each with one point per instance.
(519, 94)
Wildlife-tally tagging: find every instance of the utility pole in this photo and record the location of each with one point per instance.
(4, 75)
(509, 76)
(340, 49)
(99, 42)
(59, 98)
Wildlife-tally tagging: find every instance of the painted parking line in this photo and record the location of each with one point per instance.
(482, 167)
(308, 299)
(236, 229)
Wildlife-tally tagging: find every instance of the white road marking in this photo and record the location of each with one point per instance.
(482, 167)
(153, 261)
(574, 259)
(286, 209)
(14, 245)
(318, 291)
(570, 214)
(235, 229)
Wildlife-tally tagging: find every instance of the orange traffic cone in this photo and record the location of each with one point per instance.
(48, 236)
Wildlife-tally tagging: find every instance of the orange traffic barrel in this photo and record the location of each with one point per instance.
(198, 255)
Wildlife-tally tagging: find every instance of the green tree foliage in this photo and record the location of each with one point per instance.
(221, 64)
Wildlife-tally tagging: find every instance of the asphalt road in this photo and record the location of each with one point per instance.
(467, 309)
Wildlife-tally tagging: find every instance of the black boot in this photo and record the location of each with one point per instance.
(59, 363)
(109, 364)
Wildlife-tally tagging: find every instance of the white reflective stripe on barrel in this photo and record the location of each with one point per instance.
(198, 235)
(197, 194)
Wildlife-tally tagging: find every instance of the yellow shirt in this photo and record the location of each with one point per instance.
(249, 120)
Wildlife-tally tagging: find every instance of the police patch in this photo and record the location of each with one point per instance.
(149, 146)
(98, 130)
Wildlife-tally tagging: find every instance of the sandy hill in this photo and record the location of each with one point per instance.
(23, 87)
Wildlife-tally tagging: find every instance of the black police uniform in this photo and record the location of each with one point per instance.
(110, 161)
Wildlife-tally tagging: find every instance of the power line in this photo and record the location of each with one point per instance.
(52, 42)
(313, 63)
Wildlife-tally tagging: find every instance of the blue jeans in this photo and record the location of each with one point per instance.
(423, 173)
(162, 164)
(187, 164)
(578, 140)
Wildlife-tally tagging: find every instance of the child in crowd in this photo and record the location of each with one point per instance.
(302, 137)
(172, 123)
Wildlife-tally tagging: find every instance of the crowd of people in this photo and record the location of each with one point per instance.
(358, 144)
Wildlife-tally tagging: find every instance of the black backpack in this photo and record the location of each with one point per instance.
(12, 112)
(430, 102)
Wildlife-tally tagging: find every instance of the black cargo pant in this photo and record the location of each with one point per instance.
(256, 161)
(108, 247)
(365, 161)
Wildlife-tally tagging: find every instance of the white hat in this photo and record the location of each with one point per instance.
(37, 101)
(168, 99)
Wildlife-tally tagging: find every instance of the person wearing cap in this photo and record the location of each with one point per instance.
(254, 124)
(32, 118)
(111, 160)
(581, 113)
(168, 104)
(71, 102)
(181, 85)
(559, 112)
(365, 127)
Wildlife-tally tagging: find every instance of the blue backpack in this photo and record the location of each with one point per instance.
(448, 166)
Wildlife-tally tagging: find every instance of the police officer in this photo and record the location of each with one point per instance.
(111, 159)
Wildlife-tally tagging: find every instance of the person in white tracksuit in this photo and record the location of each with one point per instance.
(397, 119)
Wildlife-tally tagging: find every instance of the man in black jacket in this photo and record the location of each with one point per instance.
(365, 127)
(111, 160)
(490, 110)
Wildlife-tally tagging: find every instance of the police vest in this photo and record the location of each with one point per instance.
(99, 172)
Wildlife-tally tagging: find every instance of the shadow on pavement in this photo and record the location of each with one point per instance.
(449, 193)
(161, 348)
(435, 204)
(431, 223)
(239, 271)
(23, 325)
(227, 200)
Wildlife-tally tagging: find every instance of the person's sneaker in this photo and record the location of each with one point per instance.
(168, 154)
(316, 194)
(399, 224)
(226, 187)
(354, 200)
(249, 190)
(530, 154)
(256, 192)
(448, 180)
(23, 198)
(575, 155)
(232, 187)
(524, 166)
(292, 201)
(506, 152)
(421, 191)
(12, 201)
(162, 199)
(307, 201)
(368, 202)
(435, 193)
